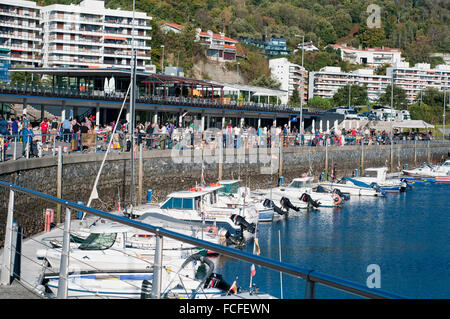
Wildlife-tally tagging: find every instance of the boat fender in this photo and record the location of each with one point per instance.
(212, 230)
(337, 200)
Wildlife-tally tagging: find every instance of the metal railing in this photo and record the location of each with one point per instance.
(12, 146)
(311, 276)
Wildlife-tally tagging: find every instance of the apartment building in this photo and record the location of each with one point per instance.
(269, 46)
(89, 35)
(219, 47)
(20, 32)
(419, 77)
(85, 35)
(372, 57)
(291, 76)
(326, 82)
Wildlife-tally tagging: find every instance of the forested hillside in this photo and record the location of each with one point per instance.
(418, 27)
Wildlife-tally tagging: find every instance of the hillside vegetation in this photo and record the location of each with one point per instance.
(418, 27)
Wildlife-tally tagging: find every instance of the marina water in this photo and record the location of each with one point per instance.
(405, 234)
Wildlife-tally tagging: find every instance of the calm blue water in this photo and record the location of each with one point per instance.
(406, 234)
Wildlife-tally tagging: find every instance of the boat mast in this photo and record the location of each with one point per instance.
(132, 110)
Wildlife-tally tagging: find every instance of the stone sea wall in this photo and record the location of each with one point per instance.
(163, 172)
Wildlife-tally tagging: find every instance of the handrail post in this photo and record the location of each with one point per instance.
(7, 250)
(157, 268)
(310, 289)
(64, 263)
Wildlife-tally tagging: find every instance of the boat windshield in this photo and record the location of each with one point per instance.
(98, 241)
(298, 184)
(229, 189)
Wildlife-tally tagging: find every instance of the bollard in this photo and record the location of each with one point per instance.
(149, 195)
(48, 219)
(356, 172)
(146, 289)
(79, 212)
(281, 180)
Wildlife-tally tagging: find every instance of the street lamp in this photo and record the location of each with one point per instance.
(301, 86)
(162, 59)
(237, 70)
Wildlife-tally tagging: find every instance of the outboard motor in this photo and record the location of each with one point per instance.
(237, 240)
(216, 280)
(270, 204)
(286, 203)
(338, 192)
(307, 198)
(245, 225)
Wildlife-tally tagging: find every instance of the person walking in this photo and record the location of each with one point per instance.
(44, 130)
(67, 128)
(27, 134)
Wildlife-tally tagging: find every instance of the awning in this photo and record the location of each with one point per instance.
(412, 124)
(108, 37)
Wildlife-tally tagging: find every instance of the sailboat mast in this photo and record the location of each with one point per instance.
(132, 110)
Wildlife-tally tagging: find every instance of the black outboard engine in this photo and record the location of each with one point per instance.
(307, 198)
(245, 225)
(237, 240)
(286, 204)
(270, 204)
(338, 192)
(216, 281)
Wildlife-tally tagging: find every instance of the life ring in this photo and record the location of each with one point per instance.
(213, 228)
(336, 198)
(195, 189)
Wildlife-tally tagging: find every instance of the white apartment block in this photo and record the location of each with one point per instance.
(83, 35)
(415, 79)
(326, 82)
(20, 32)
(372, 57)
(291, 76)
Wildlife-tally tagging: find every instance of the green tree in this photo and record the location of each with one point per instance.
(399, 101)
(357, 93)
(320, 103)
(294, 99)
(266, 81)
(432, 97)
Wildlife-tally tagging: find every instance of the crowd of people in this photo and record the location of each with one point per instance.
(166, 135)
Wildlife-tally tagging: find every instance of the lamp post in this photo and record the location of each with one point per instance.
(162, 59)
(237, 70)
(301, 86)
(391, 119)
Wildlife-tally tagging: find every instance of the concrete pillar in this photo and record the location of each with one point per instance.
(259, 122)
(275, 121)
(24, 107)
(155, 117)
(203, 122)
(63, 111)
(320, 126)
(97, 115)
(42, 112)
(313, 126)
(242, 122)
(223, 121)
(328, 126)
